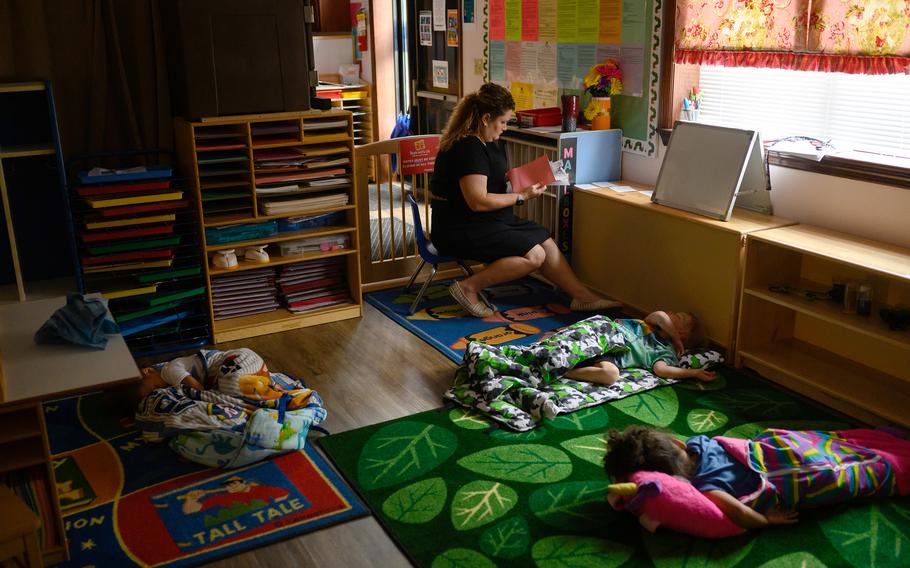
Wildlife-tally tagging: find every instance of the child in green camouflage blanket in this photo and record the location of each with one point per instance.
(648, 349)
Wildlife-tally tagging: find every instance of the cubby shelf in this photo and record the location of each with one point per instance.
(852, 362)
(286, 236)
(832, 313)
(281, 320)
(845, 383)
(279, 260)
(257, 298)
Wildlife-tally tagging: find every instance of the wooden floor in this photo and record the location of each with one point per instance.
(367, 370)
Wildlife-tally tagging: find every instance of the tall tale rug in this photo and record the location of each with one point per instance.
(526, 311)
(129, 502)
(451, 492)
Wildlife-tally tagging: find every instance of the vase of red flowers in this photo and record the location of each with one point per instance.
(601, 82)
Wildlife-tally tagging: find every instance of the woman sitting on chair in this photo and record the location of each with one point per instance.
(472, 212)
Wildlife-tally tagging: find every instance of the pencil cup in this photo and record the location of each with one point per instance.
(690, 114)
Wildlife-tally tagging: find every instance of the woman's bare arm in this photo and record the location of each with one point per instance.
(474, 189)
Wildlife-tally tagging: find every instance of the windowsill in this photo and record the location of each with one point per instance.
(862, 166)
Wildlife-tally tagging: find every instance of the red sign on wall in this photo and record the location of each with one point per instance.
(418, 155)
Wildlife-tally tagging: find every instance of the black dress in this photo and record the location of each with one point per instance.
(478, 235)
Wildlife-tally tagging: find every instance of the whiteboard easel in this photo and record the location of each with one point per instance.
(707, 169)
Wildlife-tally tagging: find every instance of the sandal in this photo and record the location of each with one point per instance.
(476, 309)
(483, 298)
(593, 306)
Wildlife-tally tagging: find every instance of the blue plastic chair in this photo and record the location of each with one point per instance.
(428, 254)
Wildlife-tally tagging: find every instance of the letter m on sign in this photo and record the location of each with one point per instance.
(568, 153)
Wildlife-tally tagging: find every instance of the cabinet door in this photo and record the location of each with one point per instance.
(241, 57)
(333, 16)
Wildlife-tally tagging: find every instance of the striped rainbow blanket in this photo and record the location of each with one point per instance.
(803, 469)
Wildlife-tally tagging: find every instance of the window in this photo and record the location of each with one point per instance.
(866, 113)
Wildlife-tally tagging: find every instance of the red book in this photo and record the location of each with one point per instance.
(94, 236)
(321, 283)
(123, 188)
(304, 176)
(536, 171)
(131, 209)
(332, 298)
(206, 146)
(124, 256)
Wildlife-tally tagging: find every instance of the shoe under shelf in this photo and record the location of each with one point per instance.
(277, 260)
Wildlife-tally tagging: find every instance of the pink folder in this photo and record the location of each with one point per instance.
(536, 171)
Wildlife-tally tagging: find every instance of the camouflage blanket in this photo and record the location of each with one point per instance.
(519, 386)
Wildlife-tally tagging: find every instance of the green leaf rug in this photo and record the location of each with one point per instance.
(452, 493)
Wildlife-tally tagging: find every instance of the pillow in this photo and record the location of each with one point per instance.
(663, 500)
(698, 359)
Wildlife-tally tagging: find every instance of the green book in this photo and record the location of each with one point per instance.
(176, 296)
(135, 245)
(170, 274)
(147, 312)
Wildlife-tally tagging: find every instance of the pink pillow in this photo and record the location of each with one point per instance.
(664, 500)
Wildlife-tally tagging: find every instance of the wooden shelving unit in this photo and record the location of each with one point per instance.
(358, 100)
(852, 362)
(229, 159)
(602, 216)
(31, 185)
(26, 467)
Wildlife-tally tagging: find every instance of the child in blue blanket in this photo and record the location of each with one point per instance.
(647, 341)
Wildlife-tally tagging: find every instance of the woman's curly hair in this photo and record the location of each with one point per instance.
(639, 448)
(467, 117)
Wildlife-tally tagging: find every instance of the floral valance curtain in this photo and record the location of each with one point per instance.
(848, 36)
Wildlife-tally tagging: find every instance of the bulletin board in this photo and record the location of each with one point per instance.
(541, 49)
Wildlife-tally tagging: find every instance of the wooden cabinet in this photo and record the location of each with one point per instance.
(653, 257)
(851, 362)
(231, 57)
(273, 181)
(332, 16)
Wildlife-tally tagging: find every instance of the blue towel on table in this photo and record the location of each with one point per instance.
(82, 321)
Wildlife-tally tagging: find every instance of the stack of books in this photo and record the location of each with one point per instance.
(284, 172)
(245, 293)
(303, 204)
(315, 284)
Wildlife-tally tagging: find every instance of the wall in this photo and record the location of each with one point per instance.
(332, 51)
(472, 48)
(869, 210)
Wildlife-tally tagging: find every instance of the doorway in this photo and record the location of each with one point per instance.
(432, 62)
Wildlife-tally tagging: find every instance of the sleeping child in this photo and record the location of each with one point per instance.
(647, 349)
(239, 373)
(763, 481)
(225, 409)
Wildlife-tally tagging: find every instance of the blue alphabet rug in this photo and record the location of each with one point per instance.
(129, 502)
(526, 310)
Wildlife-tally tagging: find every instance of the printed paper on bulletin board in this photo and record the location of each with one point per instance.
(548, 46)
